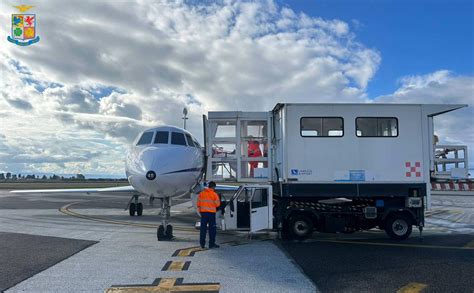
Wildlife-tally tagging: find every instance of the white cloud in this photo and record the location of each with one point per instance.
(442, 87)
(227, 55)
(218, 52)
(104, 70)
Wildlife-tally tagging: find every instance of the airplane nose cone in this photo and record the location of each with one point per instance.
(150, 175)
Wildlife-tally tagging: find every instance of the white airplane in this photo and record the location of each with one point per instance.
(163, 162)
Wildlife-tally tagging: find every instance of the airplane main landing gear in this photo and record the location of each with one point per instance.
(165, 230)
(135, 207)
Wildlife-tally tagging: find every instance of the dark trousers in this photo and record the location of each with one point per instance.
(208, 219)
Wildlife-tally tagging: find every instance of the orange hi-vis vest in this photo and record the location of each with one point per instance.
(208, 201)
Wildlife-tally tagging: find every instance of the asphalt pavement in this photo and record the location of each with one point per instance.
(88, 243)
(24, 255)
(375, 264)
(442, 261)
(47, 255)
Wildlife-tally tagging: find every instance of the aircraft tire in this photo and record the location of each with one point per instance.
(132, 209)
(169, 232)
(160, 233)
(139, 209)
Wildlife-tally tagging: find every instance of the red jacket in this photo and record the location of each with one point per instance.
(254, 149)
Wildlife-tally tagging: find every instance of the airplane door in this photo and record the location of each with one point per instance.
(261, 215)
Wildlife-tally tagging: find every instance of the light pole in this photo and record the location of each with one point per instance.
(185, 114)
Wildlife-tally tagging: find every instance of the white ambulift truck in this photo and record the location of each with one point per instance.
(336, 168)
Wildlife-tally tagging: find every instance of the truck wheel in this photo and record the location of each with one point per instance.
(301, 227)
(398, 226)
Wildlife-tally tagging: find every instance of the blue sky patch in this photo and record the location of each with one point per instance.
(99, 92)
(413, 37)
(40, 86)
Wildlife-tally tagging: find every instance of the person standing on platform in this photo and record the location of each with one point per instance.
(253, 152)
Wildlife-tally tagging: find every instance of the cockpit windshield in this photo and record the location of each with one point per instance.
(146, 138)
(189, 140)
(162, 137)
(178, 138)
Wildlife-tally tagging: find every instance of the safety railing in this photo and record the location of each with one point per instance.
(450, 162)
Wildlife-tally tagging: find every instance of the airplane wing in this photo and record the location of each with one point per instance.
(109, 190)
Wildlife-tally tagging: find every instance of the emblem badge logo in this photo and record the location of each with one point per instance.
(150, 175)
(23, 27)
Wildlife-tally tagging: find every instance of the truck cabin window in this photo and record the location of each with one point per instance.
(146, 138)
(376, 127)
(260, 198)
(322, 127)
(162, 137)
(178, 138)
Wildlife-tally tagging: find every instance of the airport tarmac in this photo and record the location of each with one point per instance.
(106, 250)
(88, 243)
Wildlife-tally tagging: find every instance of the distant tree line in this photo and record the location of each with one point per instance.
(11, 177)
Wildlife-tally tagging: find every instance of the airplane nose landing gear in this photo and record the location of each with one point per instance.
(164, 234)
(165, 231)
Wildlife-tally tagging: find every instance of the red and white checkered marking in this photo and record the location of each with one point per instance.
(413, 171)
(453, 186)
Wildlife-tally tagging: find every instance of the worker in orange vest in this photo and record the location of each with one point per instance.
(207, 204)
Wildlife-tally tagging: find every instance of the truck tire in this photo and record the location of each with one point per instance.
(301, 227)
(398, 226)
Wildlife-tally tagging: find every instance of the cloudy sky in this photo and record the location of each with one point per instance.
(105, 70)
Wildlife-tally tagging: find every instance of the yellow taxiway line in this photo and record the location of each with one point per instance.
(470, 245)
(176, 265)
(412, 288)
(168, 285)
(66, 210)
(184, 252)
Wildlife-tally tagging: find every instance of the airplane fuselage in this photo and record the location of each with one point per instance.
(166, 161)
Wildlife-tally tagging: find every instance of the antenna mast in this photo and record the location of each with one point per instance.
(185, 117)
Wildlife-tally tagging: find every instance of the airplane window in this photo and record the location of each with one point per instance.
(146, 138)
(178, 138)
(196, 143)
(162, 137)
(189, 140)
